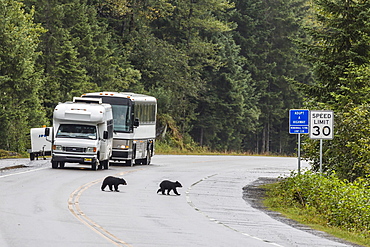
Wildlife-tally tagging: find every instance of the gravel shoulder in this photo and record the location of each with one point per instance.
(17, 165)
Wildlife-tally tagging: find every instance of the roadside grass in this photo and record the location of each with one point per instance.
(163, 148)
(309, 217)
(10, 154)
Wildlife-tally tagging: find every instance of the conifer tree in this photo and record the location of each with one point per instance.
(265, 33)
(340, 53)
(340, 35)
(20, 79)
(98, 56)
(227, 109)
(171, 47)
(71, 78)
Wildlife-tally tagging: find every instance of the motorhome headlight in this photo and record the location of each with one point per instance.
(91, 149)
(123, 146)
(57, 147)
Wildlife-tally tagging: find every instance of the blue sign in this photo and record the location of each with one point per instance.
(298, 121)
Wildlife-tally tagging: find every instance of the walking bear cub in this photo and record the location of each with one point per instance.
(112, 181)
(168, 185)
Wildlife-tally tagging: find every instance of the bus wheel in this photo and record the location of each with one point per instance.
(149, 156)
(147, 159)
(61, 164)
(130, 162)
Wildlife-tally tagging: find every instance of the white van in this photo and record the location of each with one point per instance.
(82, 133)
(39, 145)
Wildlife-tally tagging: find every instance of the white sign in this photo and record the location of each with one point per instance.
(321, 124)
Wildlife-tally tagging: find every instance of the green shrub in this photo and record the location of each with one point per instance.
(4, 154)
(340, 203)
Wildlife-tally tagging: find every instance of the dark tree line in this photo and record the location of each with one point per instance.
(224, 73)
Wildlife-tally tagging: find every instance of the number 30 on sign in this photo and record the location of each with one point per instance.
(321, 124)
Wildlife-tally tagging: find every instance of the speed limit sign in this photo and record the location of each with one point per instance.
(321, 125)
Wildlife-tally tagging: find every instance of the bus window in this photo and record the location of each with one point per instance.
(145, 113)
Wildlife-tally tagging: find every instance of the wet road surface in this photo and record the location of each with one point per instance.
(69, 209)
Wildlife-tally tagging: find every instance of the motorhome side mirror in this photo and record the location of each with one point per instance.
(105, 134)
(136, 122)
(47, 131)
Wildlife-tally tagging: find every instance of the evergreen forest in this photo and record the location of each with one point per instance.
(225, 73)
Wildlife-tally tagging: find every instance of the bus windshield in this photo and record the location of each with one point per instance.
(122, 118)
(76, 131)
(122, 112)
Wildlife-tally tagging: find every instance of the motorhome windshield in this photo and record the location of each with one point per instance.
(76, 131)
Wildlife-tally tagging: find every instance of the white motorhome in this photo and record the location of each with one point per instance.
(82, 133)
(134, 130)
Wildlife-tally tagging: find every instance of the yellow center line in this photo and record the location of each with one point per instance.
(74, 208)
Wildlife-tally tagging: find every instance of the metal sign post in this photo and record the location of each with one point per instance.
(321, 127)
(320, 156)
(299, 153)
(298, 124)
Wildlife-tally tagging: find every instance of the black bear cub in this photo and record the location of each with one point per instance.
(110, 181)
(168, 185)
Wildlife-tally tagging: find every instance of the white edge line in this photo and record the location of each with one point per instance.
(19, 173)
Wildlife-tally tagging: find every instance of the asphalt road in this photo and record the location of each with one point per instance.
(40, 206)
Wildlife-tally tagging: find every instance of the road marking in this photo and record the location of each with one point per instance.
(217, 221)
(19, 173)
(74, 208)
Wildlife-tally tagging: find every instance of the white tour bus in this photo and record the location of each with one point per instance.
(134, 126)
